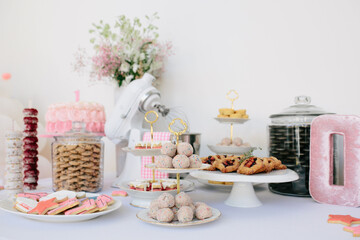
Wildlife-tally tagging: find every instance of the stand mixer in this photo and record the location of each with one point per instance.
(124, 127)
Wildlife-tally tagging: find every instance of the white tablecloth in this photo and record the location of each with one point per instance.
(279, 217)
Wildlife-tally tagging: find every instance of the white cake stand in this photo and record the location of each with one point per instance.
(142, 199)
(242, 193)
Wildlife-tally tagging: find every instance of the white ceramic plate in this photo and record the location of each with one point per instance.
(229, 149)
(206, 182)
(232, 120)
(143, 152)
(177, 170)
(143, 216)
(7, 206)
(275, 176)
(142, 199)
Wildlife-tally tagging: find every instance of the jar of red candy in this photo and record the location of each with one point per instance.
(77, 161)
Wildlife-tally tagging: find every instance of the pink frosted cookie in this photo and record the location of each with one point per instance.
(195, 161)
(101, 204)
(168, 149)
(181, 161)
(44, 206)
(182, 199)
(163, 161)
(354, 230)
(185, 214)
(166, 200)
(203, 211)
(90, 202)
(72, 202)
(34, 196)
(25, 205)
(164, 215)
(119, 193)
(60, 196)
(109, 200)
(85, 206)
(185, 148)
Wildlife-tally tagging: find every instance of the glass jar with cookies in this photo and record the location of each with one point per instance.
(77, 161)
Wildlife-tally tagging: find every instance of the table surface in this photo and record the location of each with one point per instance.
(280, 217)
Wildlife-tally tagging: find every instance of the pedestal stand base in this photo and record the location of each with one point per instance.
(243, 195)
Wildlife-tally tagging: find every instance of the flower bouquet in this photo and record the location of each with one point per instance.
(126, 51)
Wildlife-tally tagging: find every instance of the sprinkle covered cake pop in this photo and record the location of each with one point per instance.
(166, 200)
(181, 161)
(182, 199)
(195, 161)
(163, 161)
(165, 215)
(203, 211)
(185, 148)
(168, 149)
(185, 214)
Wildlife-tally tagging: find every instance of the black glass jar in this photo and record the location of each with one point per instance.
(289, 141)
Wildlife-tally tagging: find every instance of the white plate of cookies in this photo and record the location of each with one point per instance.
(143, 152)
(231, 120)
(10, 206)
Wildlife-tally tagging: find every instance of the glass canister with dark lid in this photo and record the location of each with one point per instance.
(289, 141)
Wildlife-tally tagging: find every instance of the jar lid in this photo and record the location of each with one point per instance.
(79, 131)
(302, 107)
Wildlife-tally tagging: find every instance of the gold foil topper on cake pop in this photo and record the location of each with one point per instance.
(232, 99)
(177, 134)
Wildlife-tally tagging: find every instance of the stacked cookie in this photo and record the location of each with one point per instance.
(31, 174)
(180, 156)
(77, 167)
(13, 175)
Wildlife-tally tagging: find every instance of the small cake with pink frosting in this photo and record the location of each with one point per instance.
(185, 148)
(59, 117)
(163, 161)
(181, 161)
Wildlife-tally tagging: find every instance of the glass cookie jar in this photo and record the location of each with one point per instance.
(289, 141)
(77, 161)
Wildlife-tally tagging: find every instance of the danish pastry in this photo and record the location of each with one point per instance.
(228, 165)
(250, 166)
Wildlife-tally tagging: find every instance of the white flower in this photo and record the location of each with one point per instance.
(129, 78)
(135, 67)
(142, 56)
(125, 67)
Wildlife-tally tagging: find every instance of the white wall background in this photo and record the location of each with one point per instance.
(269, 51)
